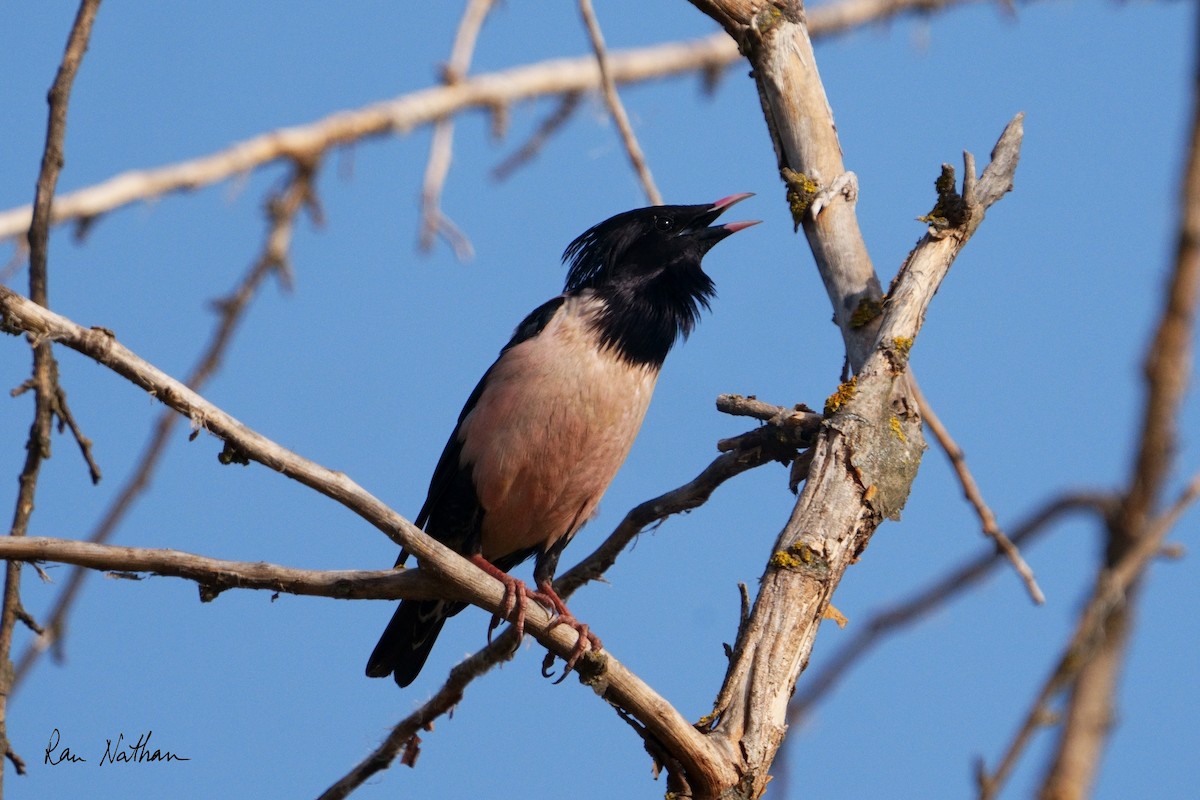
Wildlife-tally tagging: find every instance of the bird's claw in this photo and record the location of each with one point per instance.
(513, 602)
(587, 640)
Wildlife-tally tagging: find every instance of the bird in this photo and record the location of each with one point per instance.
(552, 420)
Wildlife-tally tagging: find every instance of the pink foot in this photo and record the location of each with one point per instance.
(515, 597)
(586, 641)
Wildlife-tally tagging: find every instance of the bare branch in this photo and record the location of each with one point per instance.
(398, 116)
(690, 495)
(608, 677)
(1089, 641)
(753, 451)
(991, 528)
(923, 602)
(215, 575)
(49, 398)
(1168, 369)
(821, 192)
(281, 211)
(404, 736)
(549, 126)
(615, 108)
(866, 456)
(434, 221)
(402, 114)
(740, 406)
(867, 453)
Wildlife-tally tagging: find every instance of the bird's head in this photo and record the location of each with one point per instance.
(645, 265)
(649, 245)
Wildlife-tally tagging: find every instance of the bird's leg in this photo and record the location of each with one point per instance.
(515, 592)
(563, 616)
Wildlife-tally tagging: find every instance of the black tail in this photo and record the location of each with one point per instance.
(408, 638)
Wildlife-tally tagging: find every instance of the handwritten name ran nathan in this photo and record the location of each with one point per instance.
(115, 752)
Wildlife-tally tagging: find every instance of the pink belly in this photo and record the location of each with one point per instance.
(549, 433)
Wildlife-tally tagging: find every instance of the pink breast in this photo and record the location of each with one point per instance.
(550, 431)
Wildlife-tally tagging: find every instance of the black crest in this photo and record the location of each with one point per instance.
(645, 266)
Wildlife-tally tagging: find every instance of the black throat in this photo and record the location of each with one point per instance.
(641, 321)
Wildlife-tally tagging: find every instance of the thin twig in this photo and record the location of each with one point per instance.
(615, 108)
(991, 528)
(47, 394)
(614, 682)
(1168, 368)
(1110, 593)
(434, 221)
(216, 575)
(407, 112)
(818, 684)
(281, 210)
(694, 493)
(24, 616)
(403, 735)
(549, 126)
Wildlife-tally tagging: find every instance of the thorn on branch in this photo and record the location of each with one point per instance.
(41, 573)
(83, 226)
(63, 412)
(710, 79)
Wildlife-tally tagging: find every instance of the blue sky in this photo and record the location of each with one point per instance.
(1031, 356)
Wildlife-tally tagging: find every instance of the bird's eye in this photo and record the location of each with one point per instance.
(663, 224)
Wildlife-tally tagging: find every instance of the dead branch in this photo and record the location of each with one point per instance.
(398, 116)
(848, 493)
(549, 126)
(49, 398)
(434, 221)
(616, 109)
(281, 210)
(407, 112)
(920, 604)
(404, 736)
(1134, 528)
(216, 575)
(991, 528)
(690, 495)
(776, 444)
(602, 671)
(1090, 643)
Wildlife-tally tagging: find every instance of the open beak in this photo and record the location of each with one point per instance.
(701, 224)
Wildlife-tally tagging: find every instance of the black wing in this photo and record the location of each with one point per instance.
(451, 515)
(451, 491)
